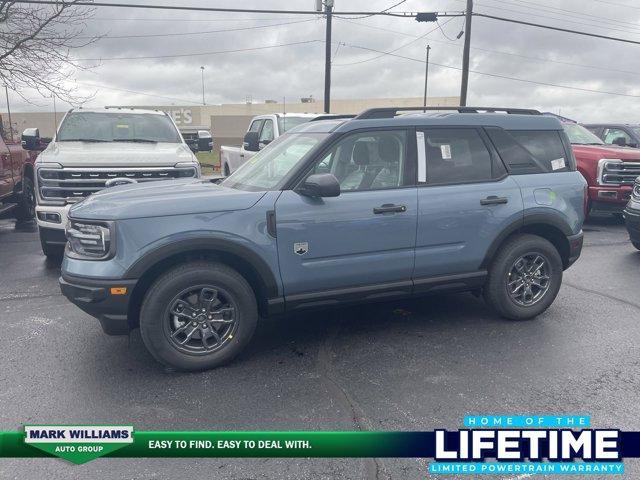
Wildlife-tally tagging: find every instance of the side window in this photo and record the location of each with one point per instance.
(609, 135)
(456, 155)
(532, 151)
(367, 161)
(545, 146)
(256, 125)
(266, 135)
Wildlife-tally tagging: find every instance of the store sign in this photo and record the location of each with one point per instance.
(182, 116)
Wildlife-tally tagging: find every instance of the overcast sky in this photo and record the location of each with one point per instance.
(294, 71)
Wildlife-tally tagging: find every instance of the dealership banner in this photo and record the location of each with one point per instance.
(490, 445)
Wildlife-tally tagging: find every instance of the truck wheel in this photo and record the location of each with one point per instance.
(636, 244)
(524, 277)
(198, 316)
(226, 170)
(27, 206)
(52, 252)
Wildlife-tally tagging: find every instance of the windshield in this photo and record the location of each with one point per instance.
(266, 169)
(287, 123)
(117, 127)
(636, 131)
(578, 135)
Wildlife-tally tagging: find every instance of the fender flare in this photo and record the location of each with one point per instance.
(533, 218)
(206, 243)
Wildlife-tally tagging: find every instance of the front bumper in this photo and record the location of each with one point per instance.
(575, 248)
(609, 198)
(98, 299)
(632, 221)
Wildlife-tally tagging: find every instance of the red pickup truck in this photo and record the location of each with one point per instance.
(609, 170)
(17, 194)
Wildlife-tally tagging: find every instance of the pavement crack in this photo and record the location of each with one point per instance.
(602, 294)
(373, 467)
(7, 297)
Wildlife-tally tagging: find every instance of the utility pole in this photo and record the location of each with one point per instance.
(426, 77)
(6, 92)
(328, 9)
(202, 71)
(465, 53)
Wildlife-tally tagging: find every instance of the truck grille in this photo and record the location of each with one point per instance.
(619, 173)
(74, 184)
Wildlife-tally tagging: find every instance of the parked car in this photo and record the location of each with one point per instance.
(333, 212)
(632, 215)
(98, 148)
(621, 134)
(17, 194)
(610, 170)
(263, 130)
(197, 140)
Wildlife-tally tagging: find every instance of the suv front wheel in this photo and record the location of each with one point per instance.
(198, 316)
(524, 277)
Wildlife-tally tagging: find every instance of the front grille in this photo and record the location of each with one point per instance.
(74, 184)
(619, 173)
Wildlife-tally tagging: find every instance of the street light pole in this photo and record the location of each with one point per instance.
(465, 54)
(6, 92)
(426, 77)
(328, 9)
(202, 71)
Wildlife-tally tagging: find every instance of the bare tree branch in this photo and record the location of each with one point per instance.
(35, 47)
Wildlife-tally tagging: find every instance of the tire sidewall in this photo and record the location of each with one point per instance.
(156, 303)
(501, 299)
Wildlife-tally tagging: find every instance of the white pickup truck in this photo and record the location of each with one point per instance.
(99, 148)
(263, 130)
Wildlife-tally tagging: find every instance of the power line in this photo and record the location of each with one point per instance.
(395, 49)
(500, 52)
(207, 20)
(496, 75)
(92, 85)
(617, 4)
(178, 55)
(558, 29)
(87, 3)
(385, 10)
(180, 34)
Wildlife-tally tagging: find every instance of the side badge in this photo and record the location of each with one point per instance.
(300, 248)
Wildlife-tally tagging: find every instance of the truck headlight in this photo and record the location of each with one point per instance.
(88, 240)
(609, 170)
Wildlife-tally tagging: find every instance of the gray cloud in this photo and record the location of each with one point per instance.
(296, 71)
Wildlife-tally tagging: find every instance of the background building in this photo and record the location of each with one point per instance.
(228, 122)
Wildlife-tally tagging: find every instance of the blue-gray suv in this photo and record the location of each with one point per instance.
(392, 203)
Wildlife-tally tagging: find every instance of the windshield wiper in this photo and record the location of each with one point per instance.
(91, 140)
(136, 140)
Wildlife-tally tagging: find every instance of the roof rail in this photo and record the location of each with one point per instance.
(330, 116)
(390, 112)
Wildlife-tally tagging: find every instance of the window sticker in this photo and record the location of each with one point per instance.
(558, 164)
(446, 151)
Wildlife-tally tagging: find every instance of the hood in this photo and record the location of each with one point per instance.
(116, 154)
(163, 198)
(607, 151)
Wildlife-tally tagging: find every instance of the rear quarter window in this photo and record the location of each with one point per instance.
(532, 151)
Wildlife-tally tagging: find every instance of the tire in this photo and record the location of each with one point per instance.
(226, 170)
(636, 244)
(158, 325)
(496, 290)
(52, 252)
(26, 209)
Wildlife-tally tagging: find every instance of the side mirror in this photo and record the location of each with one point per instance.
(320, 185)
(250, 142)
(31, 139)
(620, 141)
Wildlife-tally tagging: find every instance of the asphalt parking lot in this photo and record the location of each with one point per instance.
(412, 365)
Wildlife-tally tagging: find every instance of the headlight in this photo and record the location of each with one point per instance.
(636, 191)
(609, 170)
(90, 240)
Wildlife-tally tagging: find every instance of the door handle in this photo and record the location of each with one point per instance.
(389, 208)
(494, 200)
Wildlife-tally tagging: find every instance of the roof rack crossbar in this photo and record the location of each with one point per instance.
(390, 112)
(330, 116)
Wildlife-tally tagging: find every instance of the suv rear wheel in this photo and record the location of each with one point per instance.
(198, 316)
(524, 278)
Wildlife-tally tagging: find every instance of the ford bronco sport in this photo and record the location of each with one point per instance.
(385, 205)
